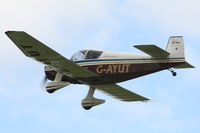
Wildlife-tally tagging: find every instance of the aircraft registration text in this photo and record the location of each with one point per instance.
(118, 68)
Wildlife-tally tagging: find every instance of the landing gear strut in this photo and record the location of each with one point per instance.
(56, 84)
(89, 101)
(172, 71)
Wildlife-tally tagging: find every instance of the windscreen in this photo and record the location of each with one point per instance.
(79, 55)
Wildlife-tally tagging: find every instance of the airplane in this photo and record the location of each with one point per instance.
(101, 69)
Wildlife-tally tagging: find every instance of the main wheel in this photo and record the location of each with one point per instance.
(51, 90)
(87, 107)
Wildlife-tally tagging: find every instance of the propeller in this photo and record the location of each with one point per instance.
(44, 81)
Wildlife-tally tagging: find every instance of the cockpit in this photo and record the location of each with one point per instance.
(86, 54)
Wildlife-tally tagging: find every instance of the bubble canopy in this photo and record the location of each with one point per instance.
(86, 54)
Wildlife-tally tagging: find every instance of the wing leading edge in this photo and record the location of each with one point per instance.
(120, 93)
(40, 52)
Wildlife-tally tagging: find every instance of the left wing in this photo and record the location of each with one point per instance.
(152, 50)
(119, 92)
(40, 52)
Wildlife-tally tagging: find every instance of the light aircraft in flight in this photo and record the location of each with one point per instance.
(99, 69)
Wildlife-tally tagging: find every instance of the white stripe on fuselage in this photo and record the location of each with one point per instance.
(128, 61)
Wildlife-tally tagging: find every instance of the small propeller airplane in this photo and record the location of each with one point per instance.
(101, 69)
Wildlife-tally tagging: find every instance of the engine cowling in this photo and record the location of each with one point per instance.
(88, 103)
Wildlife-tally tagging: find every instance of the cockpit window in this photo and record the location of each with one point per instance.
(79, 55)
(86, 54)
(92, 54)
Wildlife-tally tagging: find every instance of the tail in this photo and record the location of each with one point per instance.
(175, 47)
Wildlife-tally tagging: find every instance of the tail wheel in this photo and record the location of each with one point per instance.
(172, 71)
(174, 74)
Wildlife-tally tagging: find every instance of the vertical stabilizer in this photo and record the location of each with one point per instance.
(175, 46)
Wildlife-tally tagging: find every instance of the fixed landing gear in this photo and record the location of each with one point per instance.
(172, 71)
(90, 100)
(51, 87)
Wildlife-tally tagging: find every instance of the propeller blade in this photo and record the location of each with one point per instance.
(44, 81)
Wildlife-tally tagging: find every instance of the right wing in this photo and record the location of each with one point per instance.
(40, 52)
(152, 50)
(119, 92)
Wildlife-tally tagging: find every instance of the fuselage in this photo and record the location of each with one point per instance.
(114, 67)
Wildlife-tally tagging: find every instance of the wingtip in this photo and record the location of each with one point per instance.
(7, 32)
(10, 31)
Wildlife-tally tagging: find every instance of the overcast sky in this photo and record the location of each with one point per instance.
(70, 25)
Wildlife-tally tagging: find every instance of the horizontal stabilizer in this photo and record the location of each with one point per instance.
(185, 65)
(152, 50)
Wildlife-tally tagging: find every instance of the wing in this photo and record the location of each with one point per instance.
(152, 50)
(40, 52)
(119, 92)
